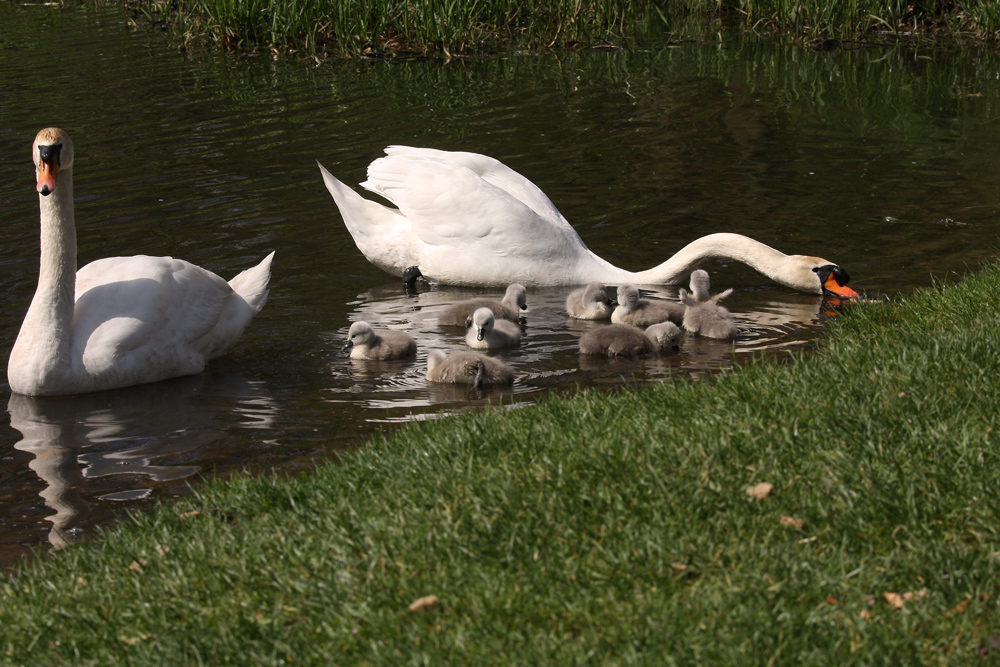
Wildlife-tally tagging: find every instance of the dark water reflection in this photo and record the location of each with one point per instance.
(119, 446)
(883, 161)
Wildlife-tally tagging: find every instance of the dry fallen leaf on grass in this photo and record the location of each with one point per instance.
(680, 567)
(895, 599)
(423, 603)
(132, 641)
(760, 491)
(792, 522)
(899, 600)
(960, 607)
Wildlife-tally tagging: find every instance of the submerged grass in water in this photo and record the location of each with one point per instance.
(613, 526)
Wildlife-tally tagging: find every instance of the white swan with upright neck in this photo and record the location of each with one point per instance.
(468, 219)
(119, 321)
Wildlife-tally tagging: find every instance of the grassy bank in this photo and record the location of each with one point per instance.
(372, 27)
(594, 529)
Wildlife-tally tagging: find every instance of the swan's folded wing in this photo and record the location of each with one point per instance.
(494, 172)
(125, 303)
(451, 205)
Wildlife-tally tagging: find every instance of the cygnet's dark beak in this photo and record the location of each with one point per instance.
(480, 333)
(347, 346)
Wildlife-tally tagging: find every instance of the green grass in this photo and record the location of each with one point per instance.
(448, 27)
(355, 27)
(856, 19)
(594, 529)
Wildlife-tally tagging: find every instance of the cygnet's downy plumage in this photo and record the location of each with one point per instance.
(621, 340)
(469, 368)
(642, 313)
(589, 303)
(366, 343)
(487, 332)
(702, 313)
(514, 301)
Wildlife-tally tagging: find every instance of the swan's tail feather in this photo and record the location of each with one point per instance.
(353, 207)
(382, 234)
(251, 284)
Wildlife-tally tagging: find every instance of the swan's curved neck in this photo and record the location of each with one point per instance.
(45, 337)
(755, 254)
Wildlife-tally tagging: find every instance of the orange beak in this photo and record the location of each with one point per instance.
(840, 290)
(47, 172)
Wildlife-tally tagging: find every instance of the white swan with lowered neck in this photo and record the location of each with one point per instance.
(468, 219)
(119, 321)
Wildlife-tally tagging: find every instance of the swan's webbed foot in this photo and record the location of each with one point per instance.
(410, 276)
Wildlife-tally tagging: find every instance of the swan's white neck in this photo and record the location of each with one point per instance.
(57, 268)
(42, 349)
(761, 257)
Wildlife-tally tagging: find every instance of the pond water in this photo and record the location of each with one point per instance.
(882, 160)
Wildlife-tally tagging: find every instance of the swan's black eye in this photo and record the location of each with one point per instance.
(49, 153)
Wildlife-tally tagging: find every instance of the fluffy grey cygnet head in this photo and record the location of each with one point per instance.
(365, 343)
(700, 285)
(628, 296)
(703, 314)
(483, 322)
(589, 303)
(488, 332)
(664, 336)
(360, 334)
(516, 297)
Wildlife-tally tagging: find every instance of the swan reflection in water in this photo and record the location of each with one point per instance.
(120, 445)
